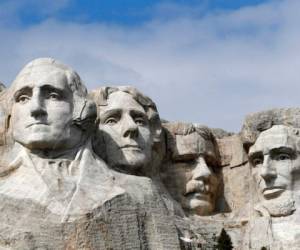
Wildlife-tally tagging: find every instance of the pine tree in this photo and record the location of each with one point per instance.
(224, 241)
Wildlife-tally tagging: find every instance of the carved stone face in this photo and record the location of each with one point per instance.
(126, 132)
(42, 110)
(275, 159)
(192, 178)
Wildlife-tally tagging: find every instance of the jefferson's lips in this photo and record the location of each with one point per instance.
(272, 192)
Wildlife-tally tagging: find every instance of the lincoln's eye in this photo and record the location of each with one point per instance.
(257, 161)
(282, 157)
(111, 121)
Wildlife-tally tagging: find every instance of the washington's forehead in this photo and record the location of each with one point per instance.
(42, 76)
(122, 100)
(274, 138)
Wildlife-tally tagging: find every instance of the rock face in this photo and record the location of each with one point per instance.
(100, 170)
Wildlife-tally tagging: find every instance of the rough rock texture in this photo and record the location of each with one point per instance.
(2, 86)
(272, 140)
(257, 122)
(100, 170)
(56, 192)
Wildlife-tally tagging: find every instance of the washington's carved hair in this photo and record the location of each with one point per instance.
(84, 110)
(73, 79)
(101, 95)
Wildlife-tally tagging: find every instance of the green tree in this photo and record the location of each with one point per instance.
(224, 241)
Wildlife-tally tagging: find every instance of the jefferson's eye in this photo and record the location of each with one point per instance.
(111, 121)
(257, 161)
(282, 157)
(139, 121)
(22, 98)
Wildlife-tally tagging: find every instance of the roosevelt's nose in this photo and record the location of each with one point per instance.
(201, 171)
(37, 106)
(267, 171)
(129, 127)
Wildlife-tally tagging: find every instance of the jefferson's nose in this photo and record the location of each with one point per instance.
(201, 171)
(267, 171)
(37, 106)
(129, 128)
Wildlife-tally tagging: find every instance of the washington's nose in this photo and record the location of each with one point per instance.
(267, 171)
(130, 128)
(201, 171)
(37, 108)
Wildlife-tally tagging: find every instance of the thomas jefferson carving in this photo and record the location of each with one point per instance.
(129, 126)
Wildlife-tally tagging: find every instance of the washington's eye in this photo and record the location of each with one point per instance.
(282, 157)
(139, 121)
(22, 98)
(111, 121)
(54, 96)
(257, 161)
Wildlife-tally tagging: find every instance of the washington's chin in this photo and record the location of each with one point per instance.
(41, 144)
(41, 141)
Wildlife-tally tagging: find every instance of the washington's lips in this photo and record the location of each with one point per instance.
(130, 146)
(272, 192)
(36, 123)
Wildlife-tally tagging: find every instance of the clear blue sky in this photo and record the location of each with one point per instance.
(125, 12)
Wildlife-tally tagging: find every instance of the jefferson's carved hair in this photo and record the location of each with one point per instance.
(101, 95)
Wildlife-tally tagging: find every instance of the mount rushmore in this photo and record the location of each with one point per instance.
(102, 170)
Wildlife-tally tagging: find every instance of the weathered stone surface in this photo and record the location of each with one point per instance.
(56, 192)
(100, 170)
(272, 140)
(260, 121)
(194, 165)
(231, 151)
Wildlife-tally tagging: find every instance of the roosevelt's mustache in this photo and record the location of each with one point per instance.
(198, 186)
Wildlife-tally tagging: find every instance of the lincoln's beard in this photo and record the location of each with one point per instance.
(283, 205)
